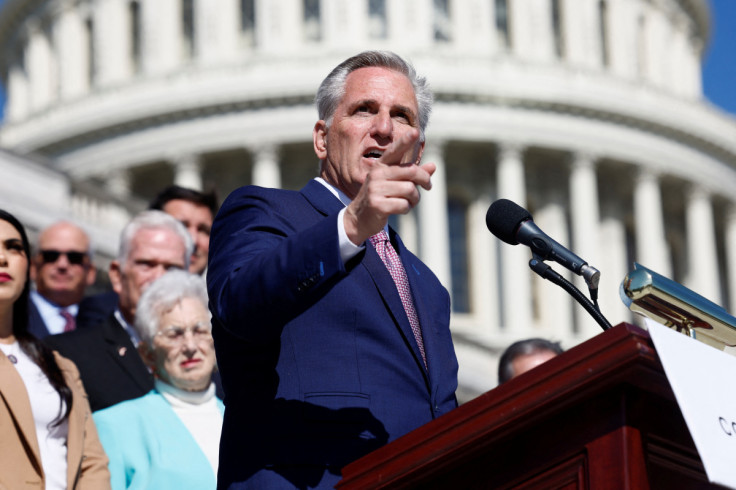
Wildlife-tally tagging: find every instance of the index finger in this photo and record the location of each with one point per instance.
(396, 151)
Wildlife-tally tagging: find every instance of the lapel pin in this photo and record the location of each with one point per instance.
(122, 351)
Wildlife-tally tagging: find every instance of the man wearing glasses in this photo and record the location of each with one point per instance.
(106, 353)
(61, 270)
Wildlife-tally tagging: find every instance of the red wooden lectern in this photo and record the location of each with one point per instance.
(601, 416)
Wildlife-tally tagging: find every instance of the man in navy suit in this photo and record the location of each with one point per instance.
(61, 270)
(324, 354)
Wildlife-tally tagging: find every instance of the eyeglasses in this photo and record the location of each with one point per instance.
(51, 256)
(176, 335)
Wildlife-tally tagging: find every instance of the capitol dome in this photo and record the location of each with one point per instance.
(589, 113)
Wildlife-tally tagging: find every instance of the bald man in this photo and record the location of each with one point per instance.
(61, 269)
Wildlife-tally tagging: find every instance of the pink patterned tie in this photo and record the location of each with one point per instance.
(392, 262)
(71, 324)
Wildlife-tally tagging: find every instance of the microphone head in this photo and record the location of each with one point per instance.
(503, 219)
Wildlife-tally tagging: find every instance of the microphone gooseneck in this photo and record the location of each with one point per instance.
(513, 225)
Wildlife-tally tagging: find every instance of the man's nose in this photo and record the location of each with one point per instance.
(383, 125)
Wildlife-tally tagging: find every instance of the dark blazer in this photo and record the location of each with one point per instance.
(317, 358)
(95, 309)
(112, 371)
(36, 324)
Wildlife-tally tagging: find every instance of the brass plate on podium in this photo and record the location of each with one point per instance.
(673, 305)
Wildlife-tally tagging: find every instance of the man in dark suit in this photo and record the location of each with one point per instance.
(61, 270)
(195, 210)
(106, 355)
(332, 338)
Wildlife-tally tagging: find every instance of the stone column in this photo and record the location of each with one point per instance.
(581, 32)
(702, 275)
(531, 29)
(73, 52)
(554, 305)
(161, 38)
(188, 172)
(344, 23)
(410, 23)
(17, 103)
(473, 26)
(433, 224)
(112, 41)
(483, 252)
(516, 292)
(585, 217)
(730, 247)
(39, 65)
(118, 183)
(216, 30)
(266, 168)
(651, 244)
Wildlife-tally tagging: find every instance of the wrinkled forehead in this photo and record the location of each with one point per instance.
(156, 241)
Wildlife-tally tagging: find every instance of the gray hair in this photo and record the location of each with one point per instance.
(162, 295)
(332, 88)
(151, 220)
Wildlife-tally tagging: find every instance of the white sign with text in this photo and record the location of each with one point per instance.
(704, 382)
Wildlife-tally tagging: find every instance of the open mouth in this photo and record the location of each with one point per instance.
(375, 154)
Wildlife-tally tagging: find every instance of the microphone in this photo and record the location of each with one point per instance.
(513, 224)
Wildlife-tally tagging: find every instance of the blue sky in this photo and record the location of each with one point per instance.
(719, 67)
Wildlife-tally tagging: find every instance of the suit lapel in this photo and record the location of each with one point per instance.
(14, 394)
(321, 198)
(123, 352)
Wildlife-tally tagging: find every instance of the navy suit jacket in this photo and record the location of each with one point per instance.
(36, 324)
(318, 360)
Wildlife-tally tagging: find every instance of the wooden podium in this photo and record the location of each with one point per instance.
(601, 416)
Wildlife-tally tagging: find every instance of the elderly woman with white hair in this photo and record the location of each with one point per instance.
(170, 437)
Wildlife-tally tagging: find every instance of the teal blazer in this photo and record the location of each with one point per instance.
(150, 448)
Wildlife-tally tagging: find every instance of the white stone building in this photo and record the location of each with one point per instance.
(589, 113)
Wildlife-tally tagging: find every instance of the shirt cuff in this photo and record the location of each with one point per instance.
(348, 249)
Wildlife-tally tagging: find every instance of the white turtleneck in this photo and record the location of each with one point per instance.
(199, 412)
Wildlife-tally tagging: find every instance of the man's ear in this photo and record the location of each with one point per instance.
(319, 137)
(91, 274)
(115, 274)
(147, 354)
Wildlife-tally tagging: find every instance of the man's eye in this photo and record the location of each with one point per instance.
(402, 117)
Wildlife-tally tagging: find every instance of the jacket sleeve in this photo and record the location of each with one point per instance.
(93, 471)
(266, 266)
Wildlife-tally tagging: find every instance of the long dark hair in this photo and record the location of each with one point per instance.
(37, 351)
